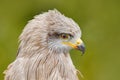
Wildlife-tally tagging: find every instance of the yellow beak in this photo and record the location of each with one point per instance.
(79, 45)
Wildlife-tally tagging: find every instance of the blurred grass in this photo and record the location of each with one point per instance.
(98, 19)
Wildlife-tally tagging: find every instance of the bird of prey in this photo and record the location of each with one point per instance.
(43, 52)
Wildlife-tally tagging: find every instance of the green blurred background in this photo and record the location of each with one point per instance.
(98, 19)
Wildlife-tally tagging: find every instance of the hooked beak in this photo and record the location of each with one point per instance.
(79, 45)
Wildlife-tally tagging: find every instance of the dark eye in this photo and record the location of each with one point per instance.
(64, 36)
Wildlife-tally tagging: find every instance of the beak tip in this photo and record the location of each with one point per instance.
(81, 48)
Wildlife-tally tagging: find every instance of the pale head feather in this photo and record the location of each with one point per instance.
(41, 57)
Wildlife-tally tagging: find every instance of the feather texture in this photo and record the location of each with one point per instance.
(37, 58)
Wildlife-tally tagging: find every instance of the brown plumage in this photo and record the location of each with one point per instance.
(44, 49)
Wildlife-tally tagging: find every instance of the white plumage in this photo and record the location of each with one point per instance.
(44, 49)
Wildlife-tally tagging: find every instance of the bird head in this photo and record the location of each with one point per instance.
(53, 31)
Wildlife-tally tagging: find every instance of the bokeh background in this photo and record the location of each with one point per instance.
(98, 19)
